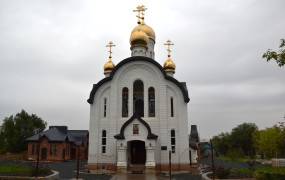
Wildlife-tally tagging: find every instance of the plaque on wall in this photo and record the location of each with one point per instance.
(163, 148)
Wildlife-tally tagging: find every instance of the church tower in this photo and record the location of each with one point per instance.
(138, 111)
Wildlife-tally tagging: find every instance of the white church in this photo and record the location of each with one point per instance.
(138, 112)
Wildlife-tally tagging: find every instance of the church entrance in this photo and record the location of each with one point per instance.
(136, 152)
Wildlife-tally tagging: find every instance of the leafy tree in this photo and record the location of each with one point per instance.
(222, 143)
(242, 137)
(270, 141)
(237, 143)
(279, 56)
(16, 129)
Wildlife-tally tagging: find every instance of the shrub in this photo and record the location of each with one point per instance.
(272, 173)
(222, 173)
(241, 173)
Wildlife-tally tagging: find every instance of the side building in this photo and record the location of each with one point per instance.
(58, 144)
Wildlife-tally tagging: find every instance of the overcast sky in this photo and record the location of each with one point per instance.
(52, 51)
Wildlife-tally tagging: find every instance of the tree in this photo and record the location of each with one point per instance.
(222, 143)
(279, 56)
(237, 143)
(242, 137)
(16, 129)
(269, 142)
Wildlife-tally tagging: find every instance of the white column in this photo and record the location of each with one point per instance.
(122, 156)
(150, 160)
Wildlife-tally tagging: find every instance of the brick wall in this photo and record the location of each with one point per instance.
(55, 151)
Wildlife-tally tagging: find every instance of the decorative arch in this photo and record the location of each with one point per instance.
(135, 116)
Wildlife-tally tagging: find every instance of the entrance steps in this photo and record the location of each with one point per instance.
(136, 169)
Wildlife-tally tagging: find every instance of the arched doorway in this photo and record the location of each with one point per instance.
(136, 152)
(138, 98)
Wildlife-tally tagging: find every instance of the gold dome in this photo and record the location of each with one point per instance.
(146, 29)
(108, 66)
(169, 65)
(138, 37)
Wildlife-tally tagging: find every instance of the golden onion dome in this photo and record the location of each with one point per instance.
(169, 65)
(138, 37)
(108, 66)
(146, 29)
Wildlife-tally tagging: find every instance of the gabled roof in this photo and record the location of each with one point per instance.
(56, 134)
(181, 85)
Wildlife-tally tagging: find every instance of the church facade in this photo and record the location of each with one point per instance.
(138, 112)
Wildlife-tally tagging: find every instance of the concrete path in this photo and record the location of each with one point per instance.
(185, 176)
(137, 177)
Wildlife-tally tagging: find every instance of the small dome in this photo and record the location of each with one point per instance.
(146, 29)
(108, 66)
(138, 37)
(169, 65)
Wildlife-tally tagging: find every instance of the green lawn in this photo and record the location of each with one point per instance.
(235, 159)
(18, 170)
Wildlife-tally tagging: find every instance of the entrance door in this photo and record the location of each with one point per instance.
(44, 153)
(137, 152)
(63, 154)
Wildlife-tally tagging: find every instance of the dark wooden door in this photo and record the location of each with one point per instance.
(138, 153)
(44, 154)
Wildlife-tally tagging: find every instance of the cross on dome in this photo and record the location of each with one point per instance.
(168, 44)
(140, 10)
(110, 45)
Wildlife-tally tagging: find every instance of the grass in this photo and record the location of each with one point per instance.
(235, 159)
(18, 170)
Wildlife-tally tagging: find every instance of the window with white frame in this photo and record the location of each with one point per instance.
(105, 107)
(171, 107)
(172, 138)
(104, 141)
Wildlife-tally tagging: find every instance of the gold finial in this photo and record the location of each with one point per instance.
(140, 10)
(168, 44)
(110, 45)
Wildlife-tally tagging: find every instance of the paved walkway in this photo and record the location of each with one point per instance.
(185, 176)
(137, 177)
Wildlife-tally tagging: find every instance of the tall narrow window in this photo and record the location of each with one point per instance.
(138, 98)
(171, 106)
(104, 143)
(33, 149)
(105, 107)
(125, 99)
(151, 102)
(172, 138)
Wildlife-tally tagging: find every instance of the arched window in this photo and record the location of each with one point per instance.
(172, 107)
(151, 102)
(104, 142)
(138, 98)
(125, 99)
(105, 107)
(172, 139)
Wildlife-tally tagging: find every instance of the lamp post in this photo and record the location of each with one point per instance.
(78, 154)
(212, 157)
(170, 164)
(38, 156)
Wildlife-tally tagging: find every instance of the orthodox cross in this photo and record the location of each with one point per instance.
(110, 45)
(168, 44)
(140, 10)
